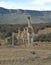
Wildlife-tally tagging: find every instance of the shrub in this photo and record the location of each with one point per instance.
(33, 52)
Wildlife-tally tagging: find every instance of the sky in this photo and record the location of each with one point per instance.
(26, 4)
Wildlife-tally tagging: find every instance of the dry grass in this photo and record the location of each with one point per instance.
(23, 56)
(40, 54)
(45, 44)
(44, 31)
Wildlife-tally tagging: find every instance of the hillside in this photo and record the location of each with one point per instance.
(19, 16)
(44, 31)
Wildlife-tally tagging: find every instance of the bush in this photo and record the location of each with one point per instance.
(43, 37)
(33, 52)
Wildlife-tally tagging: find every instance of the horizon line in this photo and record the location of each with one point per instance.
(24, 9)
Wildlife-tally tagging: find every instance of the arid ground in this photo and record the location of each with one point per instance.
(21, 55)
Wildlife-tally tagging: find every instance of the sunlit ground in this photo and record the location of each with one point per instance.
(39, 54)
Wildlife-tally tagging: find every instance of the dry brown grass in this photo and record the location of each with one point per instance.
(22, 55)
(44, 31)
(45, 44)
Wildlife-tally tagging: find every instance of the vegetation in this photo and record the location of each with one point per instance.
(43, 37)
(33, 52)
(7, 29)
